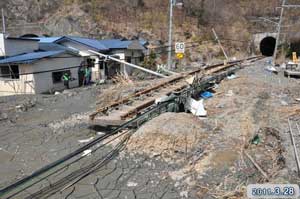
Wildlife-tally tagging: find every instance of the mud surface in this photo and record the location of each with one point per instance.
(172, 156)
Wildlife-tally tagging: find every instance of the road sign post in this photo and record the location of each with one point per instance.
(179, 50)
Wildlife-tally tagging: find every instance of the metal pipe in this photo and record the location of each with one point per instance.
(128, 64)
(170, 35)
(3, 22)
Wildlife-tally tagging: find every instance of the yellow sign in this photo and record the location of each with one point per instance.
(295, 58)
(179, 55)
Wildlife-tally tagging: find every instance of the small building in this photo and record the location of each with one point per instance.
(130, 51)
(38, 72)
(36, 65)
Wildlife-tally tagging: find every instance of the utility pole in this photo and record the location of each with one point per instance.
(220, 44)
(172, 3)
(278, 31)
(3, 21)
(283, 6)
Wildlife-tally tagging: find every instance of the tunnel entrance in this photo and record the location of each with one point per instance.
(267, 46)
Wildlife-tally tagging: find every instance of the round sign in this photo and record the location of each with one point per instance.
(179, 55)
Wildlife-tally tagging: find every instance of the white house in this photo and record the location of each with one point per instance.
(38, 72)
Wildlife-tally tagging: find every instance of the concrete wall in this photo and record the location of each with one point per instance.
(127, 70)
(40, 82)
(96, 71)
(24, 85)
(43, 82)
(257, 38)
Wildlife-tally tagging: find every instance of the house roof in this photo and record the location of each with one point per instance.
(115, 43)
(122, 44)
(55, 47)
(93, 43)
(143, 42)
(22, 38)
(29, 57)
(53, 43)
(48, 39)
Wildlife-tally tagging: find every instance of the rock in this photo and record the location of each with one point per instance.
(3, 116)
(25, 106)
(20, 108)
(132, 184)
(57, 93)
(230, 93)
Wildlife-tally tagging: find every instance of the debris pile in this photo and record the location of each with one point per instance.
(169, 135)
(26, 105)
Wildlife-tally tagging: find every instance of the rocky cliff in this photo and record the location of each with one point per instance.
(234, 20)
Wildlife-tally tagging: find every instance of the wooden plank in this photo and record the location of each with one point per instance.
(106, 122)
(150, 102)
(138, 108)
(257, 166)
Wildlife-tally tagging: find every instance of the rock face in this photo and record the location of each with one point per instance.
(129, 18)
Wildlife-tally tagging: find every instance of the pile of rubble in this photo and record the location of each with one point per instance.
(169, 136)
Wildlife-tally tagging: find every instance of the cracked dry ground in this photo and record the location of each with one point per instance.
(182, 156)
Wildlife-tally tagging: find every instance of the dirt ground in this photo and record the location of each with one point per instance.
(176, 155)
(214, 153)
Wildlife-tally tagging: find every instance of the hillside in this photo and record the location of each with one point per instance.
(234, 21)
(134, 17)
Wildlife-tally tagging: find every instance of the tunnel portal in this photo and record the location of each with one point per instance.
(267, 46)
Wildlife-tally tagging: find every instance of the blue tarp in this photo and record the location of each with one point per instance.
(206, 95)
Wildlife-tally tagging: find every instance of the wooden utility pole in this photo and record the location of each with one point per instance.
(220, 44)
(278, 32)
(283, 6)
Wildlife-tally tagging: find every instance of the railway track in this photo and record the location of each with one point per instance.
(122, 110)
(67, 171)
(294, 130)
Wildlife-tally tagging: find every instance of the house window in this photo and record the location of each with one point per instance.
(10, 72)
(57, 76)
(128, 59)
(90, 63)
(142, 58)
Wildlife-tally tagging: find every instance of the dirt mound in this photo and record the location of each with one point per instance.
(168, 135)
